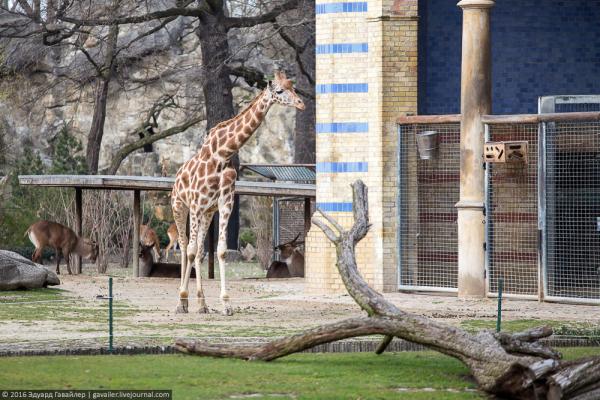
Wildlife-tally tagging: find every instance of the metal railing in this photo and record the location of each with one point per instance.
(542, 217)
(428, 189)
(567, 190)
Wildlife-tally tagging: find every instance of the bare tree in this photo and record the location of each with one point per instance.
(212, 22)
(511, 365)
(301, 38)
(96, 56)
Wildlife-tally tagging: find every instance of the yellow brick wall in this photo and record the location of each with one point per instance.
(390, 69)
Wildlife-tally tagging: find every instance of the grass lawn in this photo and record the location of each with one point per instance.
(55, 305)
(418, 375)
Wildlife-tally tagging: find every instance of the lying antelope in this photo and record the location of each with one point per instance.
(292, 257)
(62, 239)
(173, 236)
(149, 238)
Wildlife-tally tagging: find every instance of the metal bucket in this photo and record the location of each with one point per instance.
(427, 144)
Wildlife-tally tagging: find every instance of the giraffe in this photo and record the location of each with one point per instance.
(205, 184)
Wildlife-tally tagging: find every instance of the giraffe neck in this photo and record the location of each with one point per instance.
(249, 120)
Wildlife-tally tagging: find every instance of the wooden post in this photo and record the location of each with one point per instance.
(307, 215)
(211, 249)
(476, 100)
(136, 233)
(78, 225)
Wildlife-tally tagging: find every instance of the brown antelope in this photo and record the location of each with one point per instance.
(62, 239)
(146, 260)
(149, 238)
(173, 236)
(278, 269)
(291, 255)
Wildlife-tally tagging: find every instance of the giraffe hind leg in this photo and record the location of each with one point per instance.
(225, 206)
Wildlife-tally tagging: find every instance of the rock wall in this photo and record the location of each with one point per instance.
(34, 109)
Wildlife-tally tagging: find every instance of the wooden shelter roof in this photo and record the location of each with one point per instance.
(122, 182)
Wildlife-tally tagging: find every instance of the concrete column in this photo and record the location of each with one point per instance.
(476, 100)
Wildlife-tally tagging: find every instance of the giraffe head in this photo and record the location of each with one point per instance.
(282, 92)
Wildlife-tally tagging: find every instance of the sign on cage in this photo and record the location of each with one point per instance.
(505, 152)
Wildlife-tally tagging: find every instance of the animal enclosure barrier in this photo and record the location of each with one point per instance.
(511, 214)
(428, 189)
(570, 215)
(288, 219)
(542, 208)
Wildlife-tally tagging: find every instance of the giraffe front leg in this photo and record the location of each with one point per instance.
(192, 250)
(224, 213)
(182, 307)
(202, 307)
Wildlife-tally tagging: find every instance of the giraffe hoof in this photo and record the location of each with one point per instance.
(182, 308)
(228, 311)
(203, 310)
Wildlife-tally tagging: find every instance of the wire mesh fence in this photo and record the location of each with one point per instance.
(571, 196)
(542, 216)
(511, 214)
(290, 219)
(428, 190)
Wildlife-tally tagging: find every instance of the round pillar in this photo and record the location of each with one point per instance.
(476, 100)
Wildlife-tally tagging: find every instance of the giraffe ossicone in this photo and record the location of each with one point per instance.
(205, 184)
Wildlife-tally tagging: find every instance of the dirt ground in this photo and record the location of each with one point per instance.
(144, 312)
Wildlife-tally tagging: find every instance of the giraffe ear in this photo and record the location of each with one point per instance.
(280, 75)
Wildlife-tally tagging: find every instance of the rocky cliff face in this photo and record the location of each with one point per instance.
(33, 109)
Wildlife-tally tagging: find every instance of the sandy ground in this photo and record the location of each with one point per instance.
(144, 312)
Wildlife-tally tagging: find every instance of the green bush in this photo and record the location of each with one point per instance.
(160, 227)
(247, 236)
(64, 160)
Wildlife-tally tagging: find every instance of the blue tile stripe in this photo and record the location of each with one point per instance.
(343, 7)
(333, 207)
(340, 167)
(342, 88)
(342, 127)
(336, 48)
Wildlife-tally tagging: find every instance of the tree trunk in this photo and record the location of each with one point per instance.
(218, 98)
(94, 142)
(96, 133)
(304, 132)
(514, 365)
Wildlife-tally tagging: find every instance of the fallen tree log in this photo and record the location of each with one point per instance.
(512, 365)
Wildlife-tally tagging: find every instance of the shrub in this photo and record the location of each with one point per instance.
(247, 236)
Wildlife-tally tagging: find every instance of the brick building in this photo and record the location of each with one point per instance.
(377, 60)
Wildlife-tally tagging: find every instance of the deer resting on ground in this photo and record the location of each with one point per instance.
(290, 257)
(63, 240)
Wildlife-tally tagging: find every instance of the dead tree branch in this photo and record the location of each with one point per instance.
(509, 365)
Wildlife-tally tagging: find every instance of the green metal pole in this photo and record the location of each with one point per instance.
(110, 314)
(499, 319)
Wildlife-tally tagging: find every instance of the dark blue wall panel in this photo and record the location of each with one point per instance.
(539, 47)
